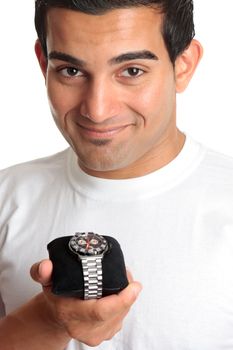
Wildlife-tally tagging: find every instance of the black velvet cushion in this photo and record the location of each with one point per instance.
(67, 277)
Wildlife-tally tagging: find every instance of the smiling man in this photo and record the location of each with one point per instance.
(112, 71)
(115, 104)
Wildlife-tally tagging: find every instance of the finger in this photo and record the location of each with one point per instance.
(101, 331)
(41, 272)
(129, 275)
(109, 307)
(104, 309)
(115, 326)
(122, 301)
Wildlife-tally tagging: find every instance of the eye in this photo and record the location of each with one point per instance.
(132, 72)
(70, 72)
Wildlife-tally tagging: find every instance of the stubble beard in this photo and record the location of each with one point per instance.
(100, 143)
(103, 157)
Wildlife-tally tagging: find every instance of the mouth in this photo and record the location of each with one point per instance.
(103, 133)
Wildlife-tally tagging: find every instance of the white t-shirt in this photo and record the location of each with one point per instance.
(175, 227)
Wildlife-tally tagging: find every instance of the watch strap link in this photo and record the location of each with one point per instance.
(93, 278)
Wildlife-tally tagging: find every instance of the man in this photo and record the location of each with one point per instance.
(112, 71)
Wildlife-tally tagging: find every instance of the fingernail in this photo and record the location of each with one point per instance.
(40, 268)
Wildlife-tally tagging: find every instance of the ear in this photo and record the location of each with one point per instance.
(186, 64)
(41, 57)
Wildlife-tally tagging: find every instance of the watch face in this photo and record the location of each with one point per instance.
(88, 243)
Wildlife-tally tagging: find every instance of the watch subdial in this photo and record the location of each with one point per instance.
(91, 251)
(94, 242)
(82, 242)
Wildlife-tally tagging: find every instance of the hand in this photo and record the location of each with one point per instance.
(90, 321)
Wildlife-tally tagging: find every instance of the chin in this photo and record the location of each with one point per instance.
(104, 159)
(100, 167)
(103, 165)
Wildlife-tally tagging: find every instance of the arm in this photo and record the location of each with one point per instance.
(31, 327)
(48, 322)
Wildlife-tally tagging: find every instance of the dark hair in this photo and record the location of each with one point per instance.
(177, 29)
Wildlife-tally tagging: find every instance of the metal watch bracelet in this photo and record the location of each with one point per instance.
(93, 278)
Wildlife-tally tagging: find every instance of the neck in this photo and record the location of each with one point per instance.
(163, 153)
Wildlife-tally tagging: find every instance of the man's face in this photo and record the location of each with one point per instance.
(111, 88)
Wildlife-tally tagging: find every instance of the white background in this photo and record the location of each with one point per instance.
(27, 129)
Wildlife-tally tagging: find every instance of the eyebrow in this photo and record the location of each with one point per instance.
(56, 55)
(128, 56)
(134, 55)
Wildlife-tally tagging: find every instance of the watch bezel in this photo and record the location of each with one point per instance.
(75, 247)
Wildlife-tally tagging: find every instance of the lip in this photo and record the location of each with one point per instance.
(102, 133)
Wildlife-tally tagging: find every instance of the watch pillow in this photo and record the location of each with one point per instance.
(67, 276)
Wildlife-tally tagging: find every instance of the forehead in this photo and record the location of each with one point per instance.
(132, 26)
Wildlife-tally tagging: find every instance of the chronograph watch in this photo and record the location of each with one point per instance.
(90, 248)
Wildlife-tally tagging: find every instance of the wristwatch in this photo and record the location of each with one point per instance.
(90, 248)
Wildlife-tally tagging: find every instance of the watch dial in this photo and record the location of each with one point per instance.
(88, 243)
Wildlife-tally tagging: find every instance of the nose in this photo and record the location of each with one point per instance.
(100, 100)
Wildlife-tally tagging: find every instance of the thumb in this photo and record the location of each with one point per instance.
(41, 272)
(129, 295)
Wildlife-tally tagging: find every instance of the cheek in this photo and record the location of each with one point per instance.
(155, 101)
(61, 99)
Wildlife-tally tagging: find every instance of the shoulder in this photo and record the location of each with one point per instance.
(48, 162)
(217, 167)
(33, 172)
(213, 182)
